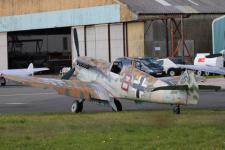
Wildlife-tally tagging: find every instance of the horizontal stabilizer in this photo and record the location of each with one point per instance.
(175, 87)
(185, 88)
(209, 87)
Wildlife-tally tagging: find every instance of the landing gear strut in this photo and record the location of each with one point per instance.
(2, 81)
(118, 105)
(77, 106)
(176, 109)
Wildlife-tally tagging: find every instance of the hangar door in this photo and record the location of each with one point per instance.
(3, 51)
(100, 41)
(117, 41)
(97, 42)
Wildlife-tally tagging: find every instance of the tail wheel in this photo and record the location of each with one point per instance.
(77, 107)
(118, 105)
(176, 109)
(2, 81)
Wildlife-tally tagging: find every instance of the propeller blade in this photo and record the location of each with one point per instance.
(76, 42)
(69, 74)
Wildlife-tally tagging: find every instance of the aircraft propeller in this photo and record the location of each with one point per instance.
(69, 74)
(76, 42)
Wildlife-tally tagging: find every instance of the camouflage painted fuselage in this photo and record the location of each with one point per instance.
(96, 82)
(131, 84)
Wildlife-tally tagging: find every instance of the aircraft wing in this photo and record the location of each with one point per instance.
(73, 88)
(210, 69)
(23, 72)
(32, 70)
(20, 72)
(40, 69)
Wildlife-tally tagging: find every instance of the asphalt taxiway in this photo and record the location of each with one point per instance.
(22, 99)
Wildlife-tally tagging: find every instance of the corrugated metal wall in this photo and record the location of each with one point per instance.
(197, 35)
(18, 7)
(21, 7)
(63, 18)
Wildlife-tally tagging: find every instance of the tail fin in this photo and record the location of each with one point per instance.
(188, 78)
(30, 69)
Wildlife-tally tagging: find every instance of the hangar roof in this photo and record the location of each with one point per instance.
(157, 7)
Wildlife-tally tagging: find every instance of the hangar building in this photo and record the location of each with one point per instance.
(39, 31)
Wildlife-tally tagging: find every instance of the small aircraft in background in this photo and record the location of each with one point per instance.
(206, 63)
(20, 72)
(207, 69)
(105, 83)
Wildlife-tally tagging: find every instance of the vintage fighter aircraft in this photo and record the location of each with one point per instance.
(21, 72)
(105, 83)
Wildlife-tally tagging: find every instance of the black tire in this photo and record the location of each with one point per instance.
(118, 105)
(180, 71)
(199, 73)
(176, 109)
(3, 82)
(77, 107)
(171, 72)
(80, 108)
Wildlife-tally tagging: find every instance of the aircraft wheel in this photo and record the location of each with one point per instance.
(207, 74)
(171, 72)
(199, 73)
(77, 107)
(118, 105)
(2, 81)
(176, 109)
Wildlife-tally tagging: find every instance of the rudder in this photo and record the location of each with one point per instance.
(188, 78)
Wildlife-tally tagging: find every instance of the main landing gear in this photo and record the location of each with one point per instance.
(2, 81)
(118, 105)
(176, 109)
(77, 106)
